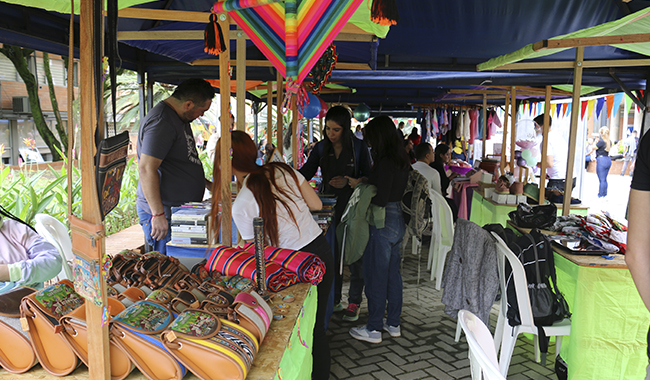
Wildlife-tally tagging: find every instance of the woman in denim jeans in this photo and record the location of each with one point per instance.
(381, 258)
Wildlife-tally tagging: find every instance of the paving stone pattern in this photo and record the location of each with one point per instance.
(426, 349)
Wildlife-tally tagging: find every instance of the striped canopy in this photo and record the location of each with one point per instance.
(292, 34)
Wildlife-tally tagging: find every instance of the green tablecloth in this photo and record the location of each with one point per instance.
(608, 326)
(485, 212)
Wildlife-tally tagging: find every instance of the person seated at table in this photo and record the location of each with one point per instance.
(424, 157)
(26, 259)
(442, 157)
(283, 198)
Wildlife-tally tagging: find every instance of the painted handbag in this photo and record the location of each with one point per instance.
(40, 313)
(251, 312)
(210, 347)
(16, 352)
(75, 331)
(136, 330)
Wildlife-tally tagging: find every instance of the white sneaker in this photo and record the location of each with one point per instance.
(394, 331)
(362, 333)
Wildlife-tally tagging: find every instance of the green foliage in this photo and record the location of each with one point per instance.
(25, 193)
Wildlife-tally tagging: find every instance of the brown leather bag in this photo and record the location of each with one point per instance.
(40, 313)
(136, 331)
(212, 348)
(76, 333)
(16, 352)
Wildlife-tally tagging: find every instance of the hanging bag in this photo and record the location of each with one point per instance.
(109, 169)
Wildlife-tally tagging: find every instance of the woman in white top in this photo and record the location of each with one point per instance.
(282, 197)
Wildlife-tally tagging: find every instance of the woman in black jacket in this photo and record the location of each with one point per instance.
(340, 154)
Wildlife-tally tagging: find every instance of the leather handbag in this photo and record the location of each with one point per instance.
(212, 348)
(40, 313)
(16, 352)
(542, 216)
(110, 164)
(252, 313)
(136, 330)
(76, 333)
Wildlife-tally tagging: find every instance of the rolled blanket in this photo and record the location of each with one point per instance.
(231, 261)
(309, 267)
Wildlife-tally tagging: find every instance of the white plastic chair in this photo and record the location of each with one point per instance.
(508, 338)
(442, 238)
(57, 234)
(482, 354)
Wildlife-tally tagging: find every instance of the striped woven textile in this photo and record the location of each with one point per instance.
(293, 39)
(309, 267)
(231, 261)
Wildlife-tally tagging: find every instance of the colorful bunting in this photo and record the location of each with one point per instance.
(600, 102)
(609, 99)
(565, 106)
(553, 107)
(618, 98)
(559, 109)
(583, 108)
(590, 107)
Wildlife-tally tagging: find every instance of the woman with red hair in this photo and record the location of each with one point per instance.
(281, 196)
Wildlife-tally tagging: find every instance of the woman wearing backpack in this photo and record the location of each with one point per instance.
(381, 261)
(339, 155)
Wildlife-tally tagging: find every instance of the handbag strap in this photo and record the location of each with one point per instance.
(539, 276)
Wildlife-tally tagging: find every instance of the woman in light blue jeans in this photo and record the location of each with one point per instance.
(603, 161)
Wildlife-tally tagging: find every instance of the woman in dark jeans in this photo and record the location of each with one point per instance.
(603, 161)
(381, 258)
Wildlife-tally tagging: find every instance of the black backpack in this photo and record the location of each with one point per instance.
(534, 250)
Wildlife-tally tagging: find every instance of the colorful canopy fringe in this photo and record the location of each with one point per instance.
(231, 261)
(309, 267)
(292, 34)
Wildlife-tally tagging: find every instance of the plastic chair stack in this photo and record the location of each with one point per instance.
(482, 352)
(442, 237)
(57, 234)
(507, 337)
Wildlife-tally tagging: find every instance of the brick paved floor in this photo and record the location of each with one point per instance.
(426, 349)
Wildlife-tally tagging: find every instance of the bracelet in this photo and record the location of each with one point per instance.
(161, 214)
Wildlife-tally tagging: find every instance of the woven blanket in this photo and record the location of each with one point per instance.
(231, 261)
(308, 267)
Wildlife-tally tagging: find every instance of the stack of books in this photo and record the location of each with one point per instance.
(325, 215)
(190, 224)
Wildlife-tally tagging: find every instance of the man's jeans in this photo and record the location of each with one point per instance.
(381, 264)
(156, 245)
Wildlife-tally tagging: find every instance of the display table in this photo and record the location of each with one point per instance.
(462, 195)
(485, 211)
(609, 321)
(284, 354)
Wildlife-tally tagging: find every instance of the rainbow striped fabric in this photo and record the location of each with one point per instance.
(292, 34)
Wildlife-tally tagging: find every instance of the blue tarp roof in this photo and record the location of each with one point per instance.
(435, 46)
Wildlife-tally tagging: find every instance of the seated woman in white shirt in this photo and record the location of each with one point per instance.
(26, 259)
(281, 196)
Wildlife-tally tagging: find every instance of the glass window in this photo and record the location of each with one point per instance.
(5, 140)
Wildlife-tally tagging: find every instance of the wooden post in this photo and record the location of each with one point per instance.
(280, 121)
(483, 150)
(241, 80)
(575, 117)
(98, 349)
(269, 111)
(70, 106)
(513, 129)
(224, 83)
(505, 133)
(294, 132)
(547, 118)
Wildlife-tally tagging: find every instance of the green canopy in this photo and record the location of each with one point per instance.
(634, 23)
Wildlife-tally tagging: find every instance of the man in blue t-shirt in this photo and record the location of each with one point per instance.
(171, 172)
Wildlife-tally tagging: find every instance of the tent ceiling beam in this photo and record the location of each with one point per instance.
(627, 90)
(148, 35)
(503, 92)
(569, 64)
(265, 63)
(202, 17)
(591, 41)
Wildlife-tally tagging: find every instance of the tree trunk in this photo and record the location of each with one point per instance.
(63, 136)
(18, 57)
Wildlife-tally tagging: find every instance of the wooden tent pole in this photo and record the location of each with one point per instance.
(484, 126)
(98, 349)
(224, 83)
(513, 129)
(269, 111)
(505, 134)
(241, 80)
(547, 127)
(575, 113)
(70, 106)
(294, 132)
(280, 121)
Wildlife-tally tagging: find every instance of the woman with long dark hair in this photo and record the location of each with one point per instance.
(382, 256)
(339, 155)
(282, 197)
